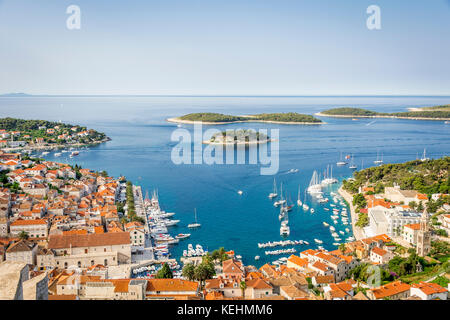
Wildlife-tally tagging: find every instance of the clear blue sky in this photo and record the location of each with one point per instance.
(230, 47)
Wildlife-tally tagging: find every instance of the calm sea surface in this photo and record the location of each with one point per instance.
(141, 150)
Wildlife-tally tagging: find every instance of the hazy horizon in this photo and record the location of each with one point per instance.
(225, 48)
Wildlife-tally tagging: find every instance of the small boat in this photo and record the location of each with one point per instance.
(379, 161)
(325, 224)
(312, 210)
(284, 229)
(352, 164)
(424, 156)
(341, 162)
(57, 154)
(196, 224)
(318, 241)
(326, 209)
(240, 192)
(182, 235)
(299, 202)
(274, 193)
(257, 257)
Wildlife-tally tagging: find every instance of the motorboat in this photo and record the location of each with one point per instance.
(182, 236)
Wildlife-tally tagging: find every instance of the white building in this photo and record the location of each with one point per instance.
(34, 228)
(390, 221)
(429, 291)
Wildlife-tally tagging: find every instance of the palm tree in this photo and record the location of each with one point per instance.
(189, 271)
(243, 286)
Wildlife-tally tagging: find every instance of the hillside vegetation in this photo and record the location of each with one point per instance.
(438, 112)
(289, 117)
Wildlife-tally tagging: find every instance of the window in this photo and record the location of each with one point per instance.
(105, 262)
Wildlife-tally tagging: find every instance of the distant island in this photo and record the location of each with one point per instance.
(15, 94)
(218, 118)
(42, 134)
(238, 137)
(426, 113)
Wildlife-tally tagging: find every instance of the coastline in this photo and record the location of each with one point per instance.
(358, 233)
(178, 120)
(58, 146)
(319, 114)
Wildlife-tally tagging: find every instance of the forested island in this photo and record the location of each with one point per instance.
(426, 113)
(17, 133)
(238, 137)
(218, 118)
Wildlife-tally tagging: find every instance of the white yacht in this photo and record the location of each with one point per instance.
(424, 156)
(299, 202)
(379, 161)
(325, 224)
(341, 162)
(328, 177)
(318, 241)
(284, 229)
(314, 185)
(196, 224)
(352, 164)
(182, 235)
(274, 193)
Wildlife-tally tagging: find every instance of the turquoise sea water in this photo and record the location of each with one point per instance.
(140, 149)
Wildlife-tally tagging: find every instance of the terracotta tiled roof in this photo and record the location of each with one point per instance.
(171, 285)
(413, 226)
(88, 240)
(390, 289)
(379, 251)
(429, 287)
(298, 261)
(20, 222)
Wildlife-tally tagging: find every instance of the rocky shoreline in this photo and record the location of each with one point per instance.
(58, 146)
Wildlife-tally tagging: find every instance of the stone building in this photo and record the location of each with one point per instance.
(423, 236)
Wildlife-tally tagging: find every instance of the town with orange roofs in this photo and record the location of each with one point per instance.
(71, 233)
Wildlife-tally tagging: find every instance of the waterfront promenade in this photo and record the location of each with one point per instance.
(358, 232)
(146, 254)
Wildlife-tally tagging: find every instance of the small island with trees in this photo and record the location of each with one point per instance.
(218, 118)
(42, 134)
(238, 137)
(441, 113)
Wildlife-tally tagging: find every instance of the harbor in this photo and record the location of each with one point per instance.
(140, 150)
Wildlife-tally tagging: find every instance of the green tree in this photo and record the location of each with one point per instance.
(243, 286)
(189, 271)
(203, 272)
(164, 272)
(23, 235)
